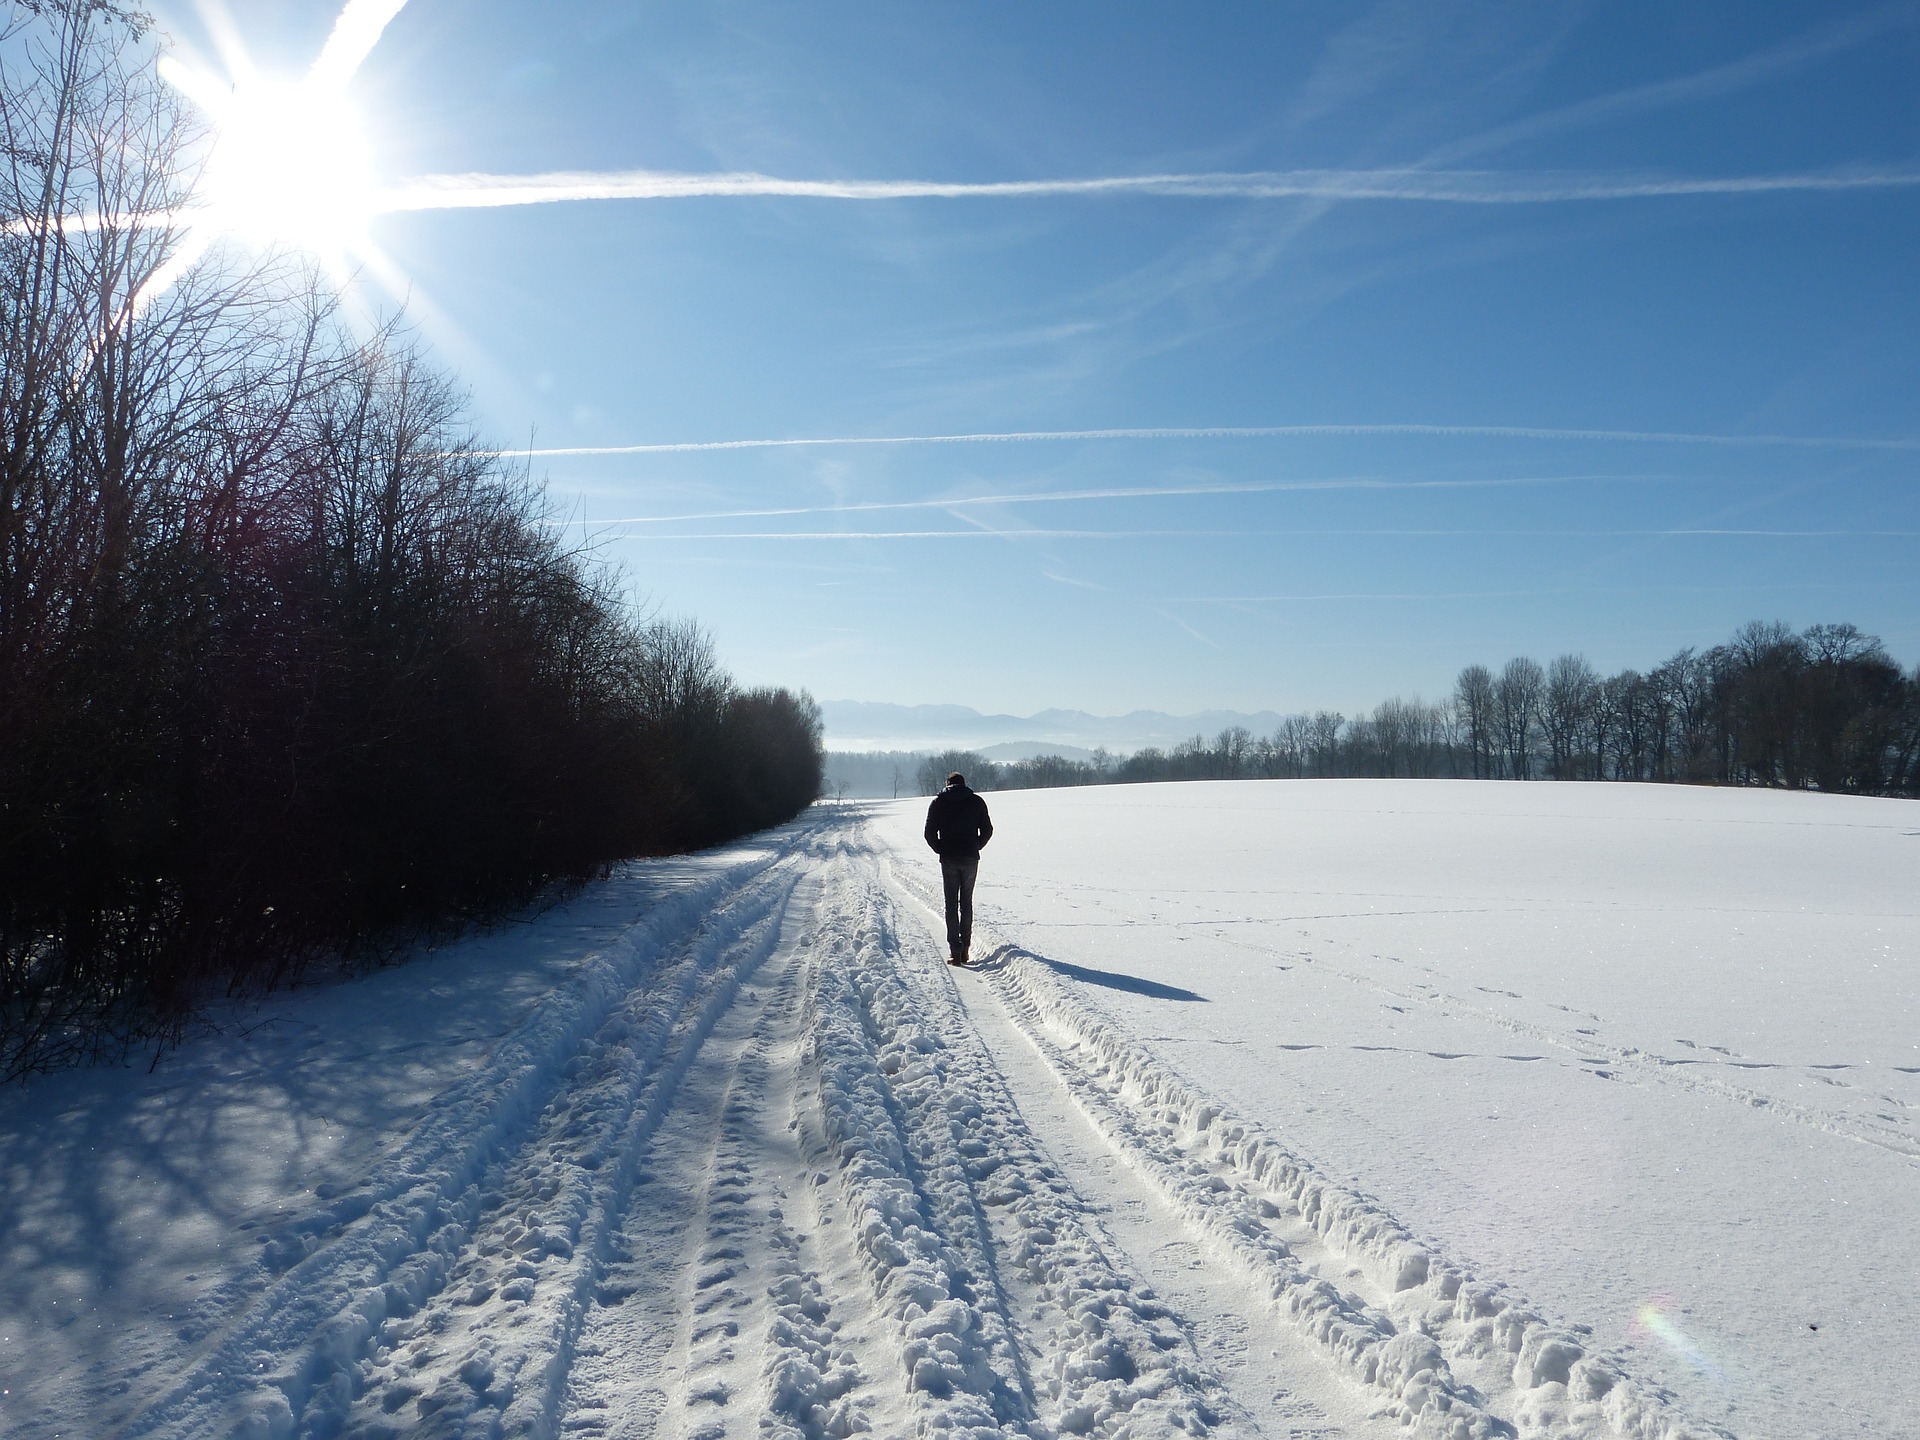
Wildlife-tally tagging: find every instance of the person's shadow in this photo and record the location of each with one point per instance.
(1002, 956)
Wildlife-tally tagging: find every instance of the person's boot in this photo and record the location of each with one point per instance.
(956, 954)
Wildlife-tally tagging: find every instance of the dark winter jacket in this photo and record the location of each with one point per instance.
(957, 823)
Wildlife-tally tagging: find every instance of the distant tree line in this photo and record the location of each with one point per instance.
(289, 665)
(872, 772)
(1826, 708)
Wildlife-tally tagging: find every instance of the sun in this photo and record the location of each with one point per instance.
(289, 163)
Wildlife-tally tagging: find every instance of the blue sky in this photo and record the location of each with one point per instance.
(1280, 570)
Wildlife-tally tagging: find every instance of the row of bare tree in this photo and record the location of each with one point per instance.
(1824, 709)
(289, 665)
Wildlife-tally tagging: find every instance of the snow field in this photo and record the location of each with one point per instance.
(761, 1163)
(1646, 1056)
(751, 1173)
(1400, 1314)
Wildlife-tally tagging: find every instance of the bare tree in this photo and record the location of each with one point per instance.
(1290, 745)
(1435, 740)
(1567, 715)
(1323, 741)
(1474, 702)
(682, 684)
(1517, 696)
(289, 662)
(1234, 746)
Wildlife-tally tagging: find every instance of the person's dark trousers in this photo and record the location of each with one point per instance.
(957, 873)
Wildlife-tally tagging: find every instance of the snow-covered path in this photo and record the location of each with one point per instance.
(755, 1161)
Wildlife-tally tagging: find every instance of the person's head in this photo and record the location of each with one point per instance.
(956, 781)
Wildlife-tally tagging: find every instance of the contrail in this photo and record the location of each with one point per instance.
(1261, 533)
(1130, 492)
(1458, 187)
(946, 534)
(92, 220)
(361, 23)
(1231, 432)
(356, 30)
(1520, 594)
(952, 534)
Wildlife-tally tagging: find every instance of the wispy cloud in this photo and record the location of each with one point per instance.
(1776, 60)
(1238, 432)
(1174, 619)
(1457, 187)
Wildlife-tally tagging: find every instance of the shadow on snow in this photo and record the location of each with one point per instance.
(1132, 984)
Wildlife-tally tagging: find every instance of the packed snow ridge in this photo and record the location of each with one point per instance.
(759, 1162)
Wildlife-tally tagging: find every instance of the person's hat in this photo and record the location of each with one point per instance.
(956, 778)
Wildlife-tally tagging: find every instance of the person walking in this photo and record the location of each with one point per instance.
(958, 828)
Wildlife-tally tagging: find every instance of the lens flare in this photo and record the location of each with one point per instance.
(289, 163)
(1653, 1318)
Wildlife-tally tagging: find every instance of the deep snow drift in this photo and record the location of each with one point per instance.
(1310, 1108)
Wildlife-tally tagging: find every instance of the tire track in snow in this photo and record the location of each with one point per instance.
(1220, 1314)
(498, 1342)
(1402, 1319)
(1009, 1315)
(615, 1229)
(714, 1319)
(890, 1253)
(552, 1123)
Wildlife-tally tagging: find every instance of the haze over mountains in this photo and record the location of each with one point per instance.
(876, 725)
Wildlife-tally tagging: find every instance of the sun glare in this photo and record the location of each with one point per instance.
(289, 164)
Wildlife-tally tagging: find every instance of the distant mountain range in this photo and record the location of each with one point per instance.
(875, 725)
